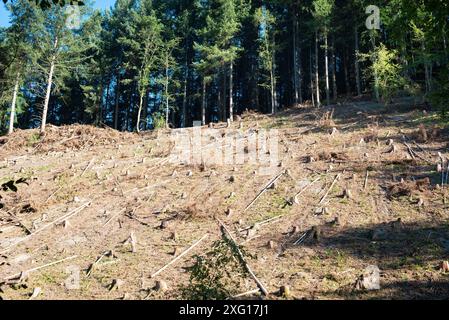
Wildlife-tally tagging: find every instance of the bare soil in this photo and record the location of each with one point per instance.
(87, 190)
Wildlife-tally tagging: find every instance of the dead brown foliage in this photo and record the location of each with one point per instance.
(73, 137)
(407, 188)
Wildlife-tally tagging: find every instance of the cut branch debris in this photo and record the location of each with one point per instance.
(14, 276)
(268, 186)
(304, 190)
(60, 219)
(248, 268)
(180, 256)
(330, 188)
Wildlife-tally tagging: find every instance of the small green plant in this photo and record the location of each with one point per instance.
(217, 274)
(33, 139)
(158, 121)
(385, 71)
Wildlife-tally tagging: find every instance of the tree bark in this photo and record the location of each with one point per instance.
(333, 70)
(100, 105)
(49, 85)
(300, 76)
(427, 69)
(317, 75)
(184, 98)
(346, 70)
(224, 104)
(295, 61)
(107, 96)
(376, 78)
(326, 65)
(273, 99)
(117, 97)
(231, 99)
(13, 105)
(357, 65)
(139, 112)
(312, 91)
(167, 109)
(203, 104)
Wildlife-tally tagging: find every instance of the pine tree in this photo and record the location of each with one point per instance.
(143, 44)
(266, 22)
(19, 41)
(322, 14)
(59, 51)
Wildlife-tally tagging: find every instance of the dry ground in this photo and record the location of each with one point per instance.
(89, 189)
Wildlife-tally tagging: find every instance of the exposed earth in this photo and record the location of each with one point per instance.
(115, 208)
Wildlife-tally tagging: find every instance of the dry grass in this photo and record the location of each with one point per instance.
(130, 184)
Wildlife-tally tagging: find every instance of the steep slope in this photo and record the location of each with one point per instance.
(119, 206)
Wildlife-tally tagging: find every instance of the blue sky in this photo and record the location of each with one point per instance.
(100, 4)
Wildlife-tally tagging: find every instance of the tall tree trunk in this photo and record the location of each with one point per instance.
(317, 75)
(445, 41)
(231, 83)
(49, 85)
(107, 97)
(333, 70)
(100, 105)
(272, 89)
(376, 78)
(326, 65)
(300, 76)
(117, 97)
(184, 97)
(139, 112)
(356, 62)
(203, 104)
(224, 102)
(167, 108)
(312, 91)
(295, 61)
(346, 71)
(13, 105)
(427, 69)
(273, 106)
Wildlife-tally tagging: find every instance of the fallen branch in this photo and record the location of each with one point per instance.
(305, 189)
(416, 155)
(258, 224)
(51, 196)
(421, 149)
(113, 217)
(14, 276)
(410, 151)
(180, 256)
(302, 238)
(88, 165)
(92, 266)
(248, 268)
(246, 293)
(265, 189)
(19, 222)
(60, 219)
(330, 188)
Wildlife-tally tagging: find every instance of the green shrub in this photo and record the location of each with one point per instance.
(217, 274)
(158, 121)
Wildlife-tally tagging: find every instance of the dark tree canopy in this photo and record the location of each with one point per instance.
(45, 4)
(150, 63)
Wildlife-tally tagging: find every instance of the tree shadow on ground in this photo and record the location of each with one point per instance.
(413, 251)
